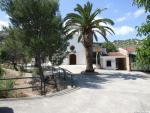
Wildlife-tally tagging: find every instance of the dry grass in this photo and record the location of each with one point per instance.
(24, 83)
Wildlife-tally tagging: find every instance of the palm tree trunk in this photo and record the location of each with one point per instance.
(88, 44)
(89, 59)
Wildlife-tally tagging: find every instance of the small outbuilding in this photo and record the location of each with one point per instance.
(120, 60)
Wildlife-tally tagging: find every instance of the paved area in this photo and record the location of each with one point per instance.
(103, 92)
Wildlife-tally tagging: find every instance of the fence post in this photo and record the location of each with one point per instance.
(59, 71)
(71, 81)
(41, 86)
(52, 71)
(44, 88)
(64, 74)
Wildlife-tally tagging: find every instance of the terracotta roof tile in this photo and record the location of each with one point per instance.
(115, 54)
(130, 50)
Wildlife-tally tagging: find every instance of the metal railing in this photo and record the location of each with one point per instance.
(55, 74)
(21, 78)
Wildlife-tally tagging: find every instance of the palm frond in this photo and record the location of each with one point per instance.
(80, 38)
(108, 29)
(71, 33)
(95, 13)
(103, 34)
(104, 20)
(83, 22)
(79, 9)
(88, 9)
(95, 36)
(102, 28)
(73, 17)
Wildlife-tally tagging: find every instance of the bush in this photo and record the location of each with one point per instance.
(143, 55)
(1, 71)
(9, 84)
(5, 84)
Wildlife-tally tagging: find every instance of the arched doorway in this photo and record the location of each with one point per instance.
(72, 59)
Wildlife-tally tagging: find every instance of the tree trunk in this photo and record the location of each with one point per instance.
(88, 44)
(89, 59)
(15, 66)
(36, 61)
(39, 66)
(40, 72)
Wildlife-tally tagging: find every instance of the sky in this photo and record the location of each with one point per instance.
(125, 15)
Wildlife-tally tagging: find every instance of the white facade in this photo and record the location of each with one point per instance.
(112, 59)
(79, 52)
(104, 62)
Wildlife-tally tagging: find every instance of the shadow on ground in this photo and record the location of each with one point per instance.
(95, 80)
(6, 110)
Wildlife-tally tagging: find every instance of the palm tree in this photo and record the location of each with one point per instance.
(84, 23)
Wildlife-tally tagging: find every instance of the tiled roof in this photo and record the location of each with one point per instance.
(115, 54)
(130, 50)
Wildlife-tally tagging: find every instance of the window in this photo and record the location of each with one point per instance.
(108, 63)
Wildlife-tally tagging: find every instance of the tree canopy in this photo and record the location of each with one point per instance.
(143, 3)
(12, 49)
(110, 47)
(40, 24)
(143, 53)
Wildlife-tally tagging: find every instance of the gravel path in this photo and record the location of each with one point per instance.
(103, 92)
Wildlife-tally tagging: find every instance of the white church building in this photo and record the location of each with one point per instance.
(77, 55)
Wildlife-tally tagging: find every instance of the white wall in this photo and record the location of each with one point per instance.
(66, 61)
(80, 52)
(104, 62)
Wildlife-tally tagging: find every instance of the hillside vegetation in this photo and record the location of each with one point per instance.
(134, 43)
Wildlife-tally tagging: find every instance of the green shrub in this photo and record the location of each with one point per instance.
(8, 84)
(1, 71)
